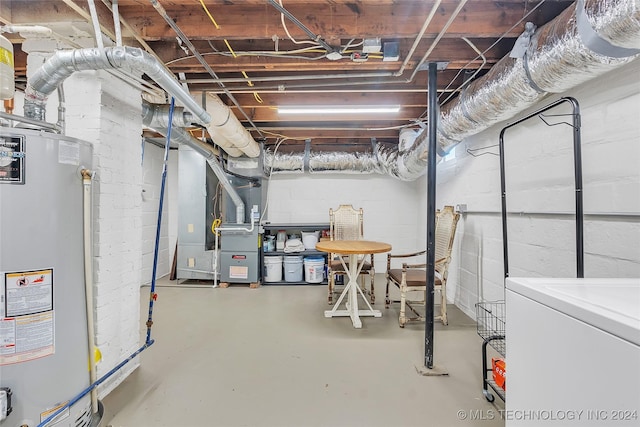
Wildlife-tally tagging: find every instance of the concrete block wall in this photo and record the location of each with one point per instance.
(390, 206)
(539, 175)
(171, 198)
(106, 111)
(152, 166)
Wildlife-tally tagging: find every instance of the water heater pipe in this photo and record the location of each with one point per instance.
(40, 124)
(61, 110)
(87, 176)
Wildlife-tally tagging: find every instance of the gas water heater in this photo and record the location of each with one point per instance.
(44, 352)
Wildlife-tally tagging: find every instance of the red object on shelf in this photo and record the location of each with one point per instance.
(499, 372)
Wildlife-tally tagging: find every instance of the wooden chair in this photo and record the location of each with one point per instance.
(347, 223)
(413, 277)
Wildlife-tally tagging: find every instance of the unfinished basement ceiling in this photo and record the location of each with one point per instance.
(265, 60)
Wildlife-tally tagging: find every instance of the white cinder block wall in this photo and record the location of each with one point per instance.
(390, 206)
(539, 176)
(106, 111)
(152, 166)
(171, 199)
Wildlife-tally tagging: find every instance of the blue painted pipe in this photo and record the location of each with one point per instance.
(155, 252)
(96, 384)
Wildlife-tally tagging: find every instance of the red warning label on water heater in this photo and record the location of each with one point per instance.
(28, 292)
(26, 315)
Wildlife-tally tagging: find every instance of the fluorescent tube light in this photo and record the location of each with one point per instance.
(363, 109)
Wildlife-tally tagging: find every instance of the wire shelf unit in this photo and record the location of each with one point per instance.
(490, 317)
(491, 324)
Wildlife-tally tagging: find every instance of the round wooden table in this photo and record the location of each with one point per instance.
(352, 248)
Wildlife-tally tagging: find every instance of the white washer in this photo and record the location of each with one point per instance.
(573, 352)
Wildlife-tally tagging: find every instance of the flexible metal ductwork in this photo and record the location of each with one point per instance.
(557, 60)
(64, 63)
(157, 115)
(587, 40)
(153, 116)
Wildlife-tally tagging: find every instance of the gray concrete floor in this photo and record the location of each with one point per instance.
(268, 357)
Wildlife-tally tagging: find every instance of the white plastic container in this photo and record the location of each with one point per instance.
(293, 268)
(280, 240)
(272, 269)
(7, 84)
(313, 269)
(309, 239)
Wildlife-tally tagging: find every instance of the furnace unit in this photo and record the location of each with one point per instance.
(239, 233)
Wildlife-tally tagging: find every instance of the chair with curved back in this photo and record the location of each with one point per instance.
(413, 277)
(347, 223)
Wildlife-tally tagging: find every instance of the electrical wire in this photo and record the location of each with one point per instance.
(209, 15)
(244, 74)
(470, 79)
(281, 54)
(266, 203)
(286, 30)
(459, 88)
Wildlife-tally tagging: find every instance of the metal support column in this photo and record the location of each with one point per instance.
(431, 213)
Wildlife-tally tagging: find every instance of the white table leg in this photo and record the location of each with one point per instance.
(351, 291)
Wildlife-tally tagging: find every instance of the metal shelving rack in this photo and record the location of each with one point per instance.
(491, 328)
(272, 229)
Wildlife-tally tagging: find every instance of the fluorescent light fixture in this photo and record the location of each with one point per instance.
(355, 109)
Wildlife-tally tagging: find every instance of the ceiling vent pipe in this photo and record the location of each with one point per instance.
(156, 116)
(64, 63)
(588, 39)
(160, 122)
(225, 125)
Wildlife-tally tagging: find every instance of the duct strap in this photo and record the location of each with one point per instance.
(527, 72)
(592, 39)
(523, 42)
(307, 154)
(519, 51)
(374, 144)
(225, 120)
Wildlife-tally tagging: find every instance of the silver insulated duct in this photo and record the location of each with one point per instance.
(561, 55)
(588, 39)
(64, 63)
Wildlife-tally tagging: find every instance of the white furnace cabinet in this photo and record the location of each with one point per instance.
(573, 349)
